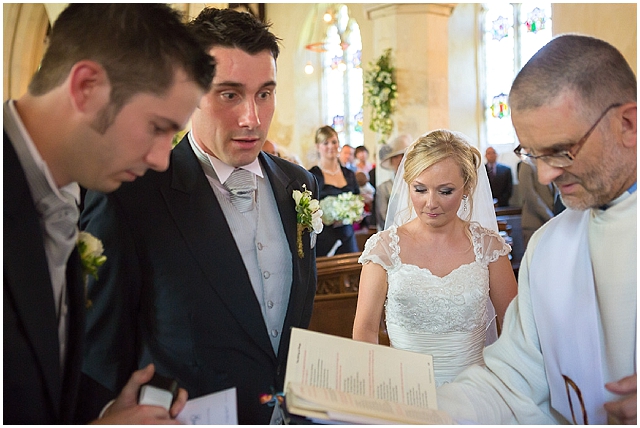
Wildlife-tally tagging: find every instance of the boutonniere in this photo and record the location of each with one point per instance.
(90, 249)
(309, 215)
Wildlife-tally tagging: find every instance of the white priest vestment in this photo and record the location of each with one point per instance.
(514, 386)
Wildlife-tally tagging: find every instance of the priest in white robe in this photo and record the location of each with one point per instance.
(567, 352)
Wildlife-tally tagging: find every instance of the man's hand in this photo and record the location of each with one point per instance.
(125, 409)
(625, 410)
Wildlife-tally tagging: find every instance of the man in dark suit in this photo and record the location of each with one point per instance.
(500, 178)
(79, 123)
(538, 200)
(202, 280)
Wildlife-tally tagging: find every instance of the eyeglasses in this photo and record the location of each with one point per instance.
(564, 158)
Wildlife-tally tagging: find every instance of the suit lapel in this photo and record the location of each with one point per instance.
(193, 205)
(25, 264)
(75, 335)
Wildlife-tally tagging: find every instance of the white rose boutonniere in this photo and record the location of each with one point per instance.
(90, 249)
(309, 215)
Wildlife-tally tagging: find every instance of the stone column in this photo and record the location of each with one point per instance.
(418, 36)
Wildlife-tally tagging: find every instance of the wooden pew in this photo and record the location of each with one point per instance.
(334, 308)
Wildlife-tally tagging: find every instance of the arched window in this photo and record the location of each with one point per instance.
(342, 76)
(512, 33)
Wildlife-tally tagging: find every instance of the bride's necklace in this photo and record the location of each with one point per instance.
(334, 172)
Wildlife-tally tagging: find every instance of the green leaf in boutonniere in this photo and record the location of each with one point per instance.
(309, 215)
(90, 249)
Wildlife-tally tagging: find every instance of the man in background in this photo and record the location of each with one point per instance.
(205, 278)
(500, 178)
(271, 148)
(101, 109)
(347, 157)
(538, 200)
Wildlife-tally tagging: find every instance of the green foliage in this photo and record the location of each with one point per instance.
(381, 92)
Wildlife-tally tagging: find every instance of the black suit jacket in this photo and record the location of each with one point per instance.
(35, 391)
(501, 184)
(174, 290)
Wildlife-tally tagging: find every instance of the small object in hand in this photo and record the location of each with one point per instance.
(159, 391)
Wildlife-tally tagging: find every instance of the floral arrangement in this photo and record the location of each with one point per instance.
(346, 208)
(381, 92)
(309, 215)
(91, 257)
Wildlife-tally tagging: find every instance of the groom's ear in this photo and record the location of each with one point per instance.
(88, 87)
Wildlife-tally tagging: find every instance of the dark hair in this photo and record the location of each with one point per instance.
(233, 29)
(361, 149)
(589, 67)
(140, 46)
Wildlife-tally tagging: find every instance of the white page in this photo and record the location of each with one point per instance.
(219, 408)
(373, 371)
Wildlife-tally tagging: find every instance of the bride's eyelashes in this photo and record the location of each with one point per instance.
(445, 192)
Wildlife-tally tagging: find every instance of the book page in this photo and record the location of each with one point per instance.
(327, 404)
(359, 368)
(218, 408)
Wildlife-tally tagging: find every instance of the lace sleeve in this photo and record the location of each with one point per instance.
(378, 250)
(488, 244)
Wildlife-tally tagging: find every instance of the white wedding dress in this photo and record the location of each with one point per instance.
(445, 317)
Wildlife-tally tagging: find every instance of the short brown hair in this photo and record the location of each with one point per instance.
(140, 46)
(233, 29)
(589, 67)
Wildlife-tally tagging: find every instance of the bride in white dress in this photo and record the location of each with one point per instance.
(440, 266)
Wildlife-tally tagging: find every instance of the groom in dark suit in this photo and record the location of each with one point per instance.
(79, 123)
(202, 279)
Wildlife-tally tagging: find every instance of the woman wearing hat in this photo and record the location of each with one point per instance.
(390, 158)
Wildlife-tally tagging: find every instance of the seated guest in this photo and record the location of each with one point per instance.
(500, 178)
(368, 193)
(538, 200)
(270, 147)
(362, 160)
(347, 157)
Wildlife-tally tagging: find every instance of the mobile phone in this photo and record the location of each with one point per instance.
(159, 391)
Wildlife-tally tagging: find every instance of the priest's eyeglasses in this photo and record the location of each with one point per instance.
(564, 158)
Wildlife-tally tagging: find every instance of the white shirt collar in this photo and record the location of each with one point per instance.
(72, 189)
(222, 170)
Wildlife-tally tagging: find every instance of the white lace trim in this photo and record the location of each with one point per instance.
(421, 302)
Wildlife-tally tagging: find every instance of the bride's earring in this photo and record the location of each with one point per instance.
(464, 203)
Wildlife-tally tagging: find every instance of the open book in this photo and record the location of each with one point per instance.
(333, 379)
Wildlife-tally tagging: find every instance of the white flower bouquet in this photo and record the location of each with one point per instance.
(346, 208)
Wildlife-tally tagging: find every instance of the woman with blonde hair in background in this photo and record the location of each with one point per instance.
(333, 179)
(440, 267)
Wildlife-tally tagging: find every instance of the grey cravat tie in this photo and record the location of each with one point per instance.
(241, 184)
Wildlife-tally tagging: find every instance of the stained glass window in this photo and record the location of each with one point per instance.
(513, 32)
(342, 77)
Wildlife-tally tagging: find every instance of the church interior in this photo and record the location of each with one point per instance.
(444, 73)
